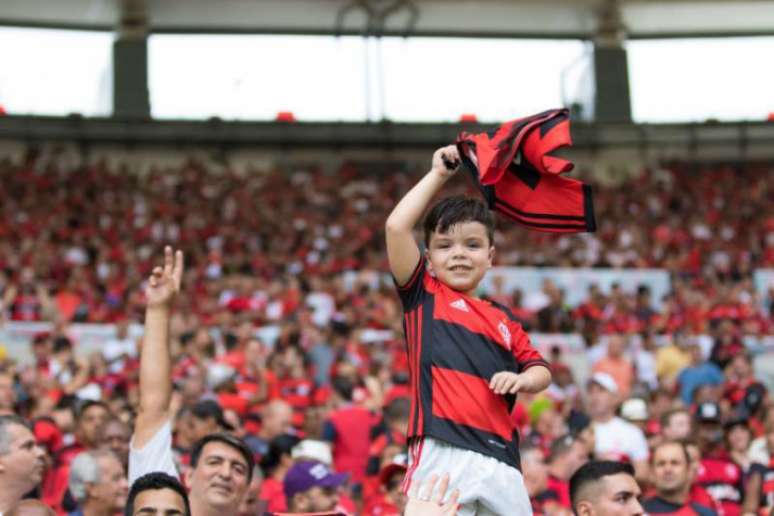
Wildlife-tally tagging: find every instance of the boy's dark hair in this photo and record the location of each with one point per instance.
(229, 440)
(154, 481)
(593, 472)
(454, 210)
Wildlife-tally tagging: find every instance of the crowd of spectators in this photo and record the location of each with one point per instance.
(273, 248)
(79, 240)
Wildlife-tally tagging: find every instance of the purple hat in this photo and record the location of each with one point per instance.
(305, 475)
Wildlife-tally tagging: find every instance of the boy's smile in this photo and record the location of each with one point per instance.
(460, 257)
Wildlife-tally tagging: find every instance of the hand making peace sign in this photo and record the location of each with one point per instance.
(164, 282)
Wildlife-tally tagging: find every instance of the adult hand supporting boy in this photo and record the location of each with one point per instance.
(533, 380)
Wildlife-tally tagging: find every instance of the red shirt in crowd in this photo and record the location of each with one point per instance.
(378, 505)
(722, 478)
(273, 492)
(562, 490)
(349, 429)
(56, 480)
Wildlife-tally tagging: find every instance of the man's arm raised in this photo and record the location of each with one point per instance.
(155, 361)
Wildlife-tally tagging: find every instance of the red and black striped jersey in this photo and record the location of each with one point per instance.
(723, 480)
(455, 344)
(767, 482)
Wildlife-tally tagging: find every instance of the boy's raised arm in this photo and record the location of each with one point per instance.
(155, 361)
(402, 249)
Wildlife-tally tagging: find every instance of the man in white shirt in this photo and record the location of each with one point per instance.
(22, 461)
(221, 464)
(615, 438)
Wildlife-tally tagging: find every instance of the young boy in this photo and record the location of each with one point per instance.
(468, 357)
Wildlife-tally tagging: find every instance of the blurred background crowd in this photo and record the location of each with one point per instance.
(300, 253)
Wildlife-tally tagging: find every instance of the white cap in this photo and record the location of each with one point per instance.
(635, 409)
(605, 381)
(314, 450)
(218, 374)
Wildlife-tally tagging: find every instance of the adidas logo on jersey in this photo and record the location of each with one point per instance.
(460, 305)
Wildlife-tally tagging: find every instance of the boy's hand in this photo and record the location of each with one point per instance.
(164, 283)
(446, 161)
(506, 382)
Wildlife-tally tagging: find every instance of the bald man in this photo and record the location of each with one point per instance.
(31, 508)
(277, 419)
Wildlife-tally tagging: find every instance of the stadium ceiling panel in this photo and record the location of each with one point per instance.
(502, 18)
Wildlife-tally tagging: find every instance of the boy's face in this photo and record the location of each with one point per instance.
(460, 257)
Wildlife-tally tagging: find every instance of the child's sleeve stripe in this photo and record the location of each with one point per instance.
(413, 278)
(532, 363)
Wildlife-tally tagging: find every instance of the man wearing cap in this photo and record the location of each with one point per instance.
(671, 472)
(221, 464)
(310, 486)
(615, 439)
(717, 473)
(635, 411)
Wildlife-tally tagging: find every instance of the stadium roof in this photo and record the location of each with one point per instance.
(500, 18)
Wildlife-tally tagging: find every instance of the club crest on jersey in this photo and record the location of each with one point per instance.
(505, 332)
(460, 304)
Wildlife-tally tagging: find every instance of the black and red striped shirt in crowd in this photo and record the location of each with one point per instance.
(455, 344)
(766, 473)
(723, 480)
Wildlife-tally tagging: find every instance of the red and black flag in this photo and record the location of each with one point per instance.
(520, 179)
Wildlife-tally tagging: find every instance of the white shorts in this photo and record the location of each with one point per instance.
(487, 486)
